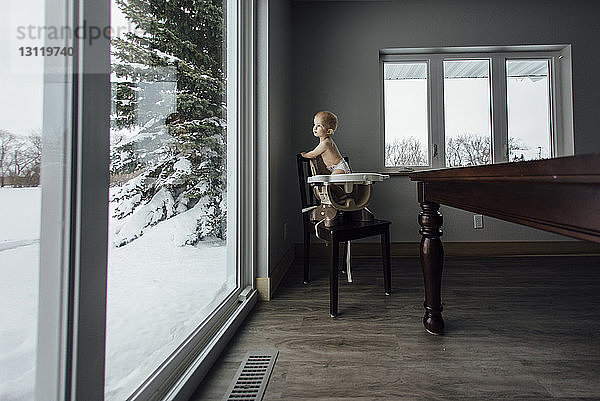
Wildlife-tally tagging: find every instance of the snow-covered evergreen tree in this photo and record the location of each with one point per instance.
(180, 162)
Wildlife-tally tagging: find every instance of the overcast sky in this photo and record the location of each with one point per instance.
(21, 77)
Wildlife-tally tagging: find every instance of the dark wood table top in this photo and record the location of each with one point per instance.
(560, 195)
(571, 169)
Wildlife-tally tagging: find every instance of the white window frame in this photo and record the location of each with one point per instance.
(561, 124)
(74, 233)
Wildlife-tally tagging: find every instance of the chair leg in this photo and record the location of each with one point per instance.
(385, 253)
(306, 254)
(347, 260)
(342, 261)
(333, 277)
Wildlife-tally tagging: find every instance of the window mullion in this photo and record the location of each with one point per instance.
(563, 95)
(436, 112)
(382, 111)
(499, 110)
(556, 138)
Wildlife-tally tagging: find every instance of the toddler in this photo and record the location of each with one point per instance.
(325, 124)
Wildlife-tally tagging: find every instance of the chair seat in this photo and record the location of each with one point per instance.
(352, 230)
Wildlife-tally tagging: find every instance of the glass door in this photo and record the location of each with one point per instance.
(122, 251)
(21, 105)
(172, 236)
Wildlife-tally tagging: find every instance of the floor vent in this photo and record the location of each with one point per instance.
(250, 381)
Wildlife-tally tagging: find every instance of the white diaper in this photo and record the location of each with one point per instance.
(342, 165)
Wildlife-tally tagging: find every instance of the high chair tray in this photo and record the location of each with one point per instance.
(352, 178)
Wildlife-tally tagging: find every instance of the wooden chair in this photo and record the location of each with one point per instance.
(346, 230)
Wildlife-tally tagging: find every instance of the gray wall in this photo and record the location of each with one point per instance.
(335, 55)
(283, 181)
(276, 181)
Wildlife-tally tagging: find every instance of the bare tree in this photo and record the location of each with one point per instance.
(27, 160)
(454, 156)
(7, 142)
(33, 152)
(468, 150)
(405, 152)
(20, 158)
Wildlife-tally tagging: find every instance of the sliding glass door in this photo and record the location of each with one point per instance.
(21, 112)
(172, 233)
(126, 197)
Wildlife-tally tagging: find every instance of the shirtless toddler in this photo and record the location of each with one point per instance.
(325, 124)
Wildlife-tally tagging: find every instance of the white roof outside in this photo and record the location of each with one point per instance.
(466, 69)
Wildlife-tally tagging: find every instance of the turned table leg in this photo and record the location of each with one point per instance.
(432, 260)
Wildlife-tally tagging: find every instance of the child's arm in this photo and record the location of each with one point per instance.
(321, 147)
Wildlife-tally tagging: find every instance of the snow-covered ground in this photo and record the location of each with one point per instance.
(19, 260)
(158, 293)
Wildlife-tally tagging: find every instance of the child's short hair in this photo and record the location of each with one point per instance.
(330, 120)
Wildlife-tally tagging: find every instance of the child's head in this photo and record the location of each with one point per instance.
(327, 120)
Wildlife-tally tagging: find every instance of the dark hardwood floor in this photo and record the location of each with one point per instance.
(516, 328)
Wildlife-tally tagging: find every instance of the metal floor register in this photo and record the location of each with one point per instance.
(250, 380)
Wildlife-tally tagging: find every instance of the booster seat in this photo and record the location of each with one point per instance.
(343, 197)
(334, 208)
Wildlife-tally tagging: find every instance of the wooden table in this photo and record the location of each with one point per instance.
(560, 195)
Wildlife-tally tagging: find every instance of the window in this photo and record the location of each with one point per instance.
(167, 312)
(172, 237)
(406, 125)
(21, 117)
(467, 112)
(474, 106)
(528, 99)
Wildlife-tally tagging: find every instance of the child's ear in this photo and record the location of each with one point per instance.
(329, 131)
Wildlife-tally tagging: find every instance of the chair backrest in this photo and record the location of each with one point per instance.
(307, 195)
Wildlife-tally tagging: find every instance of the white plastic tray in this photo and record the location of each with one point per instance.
(352, 178)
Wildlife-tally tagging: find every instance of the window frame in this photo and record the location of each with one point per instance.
(414, 58)
(561, 115)
(74, 236)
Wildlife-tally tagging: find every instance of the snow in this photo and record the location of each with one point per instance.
(121, 136)
(23, 222)
(149, 144)
(183, 165)
(160, 207)
(159, 291)
(182, 284)
(18, 314)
